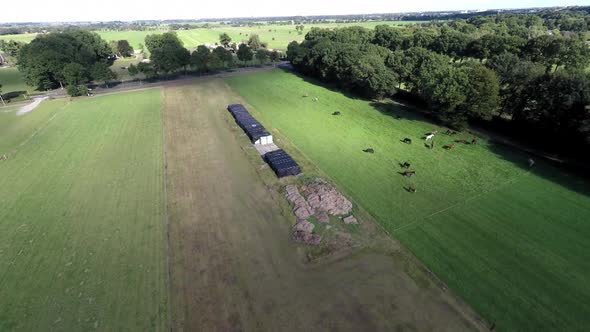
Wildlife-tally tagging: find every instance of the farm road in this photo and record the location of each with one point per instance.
(232, 266)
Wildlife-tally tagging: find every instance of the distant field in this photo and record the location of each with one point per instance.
(23, 38)
(282, 34)
(510, 240)
(82, 233)
(12, 80)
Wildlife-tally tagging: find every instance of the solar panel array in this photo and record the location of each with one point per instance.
(247, 122)
(282, 163)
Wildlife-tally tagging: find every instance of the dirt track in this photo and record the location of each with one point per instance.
(232, 266)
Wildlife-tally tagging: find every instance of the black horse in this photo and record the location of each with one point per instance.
(369, 150)
(410, 189)
(336, 113)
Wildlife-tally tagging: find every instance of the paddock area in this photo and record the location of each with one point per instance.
(509, 238)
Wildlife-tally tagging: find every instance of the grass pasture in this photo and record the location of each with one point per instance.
(82, 245)
(511, 241)
(233, 267)
(12, 80)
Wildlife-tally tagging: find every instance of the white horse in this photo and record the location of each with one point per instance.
(429, 137)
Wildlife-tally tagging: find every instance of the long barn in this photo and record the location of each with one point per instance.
(255, 131)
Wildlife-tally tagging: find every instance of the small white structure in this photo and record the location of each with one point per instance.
(264, 140)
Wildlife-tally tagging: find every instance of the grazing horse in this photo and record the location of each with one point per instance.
(407, 140)
(429, 136)
(336, 113)
(408, 173)
(406, 165)
(451, 132)
(369, 150)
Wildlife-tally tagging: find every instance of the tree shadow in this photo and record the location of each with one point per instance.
(13, 95)
(572, 176)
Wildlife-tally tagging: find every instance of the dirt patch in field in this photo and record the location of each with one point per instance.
(231, 268)
(323, 197)
(30, 107)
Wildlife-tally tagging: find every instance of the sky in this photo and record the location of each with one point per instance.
(125, 10)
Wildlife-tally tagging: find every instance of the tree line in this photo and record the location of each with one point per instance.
(502, 67)
(168, 55)
(72, 58)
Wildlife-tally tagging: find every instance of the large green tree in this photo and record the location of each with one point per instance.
(102, 72)
(75, 74)
(262, 55)
(200, 58)
(167, 53)
(482, 92)
(245, 53)
(224, 55)
(124, 48)
(254, 42)
(42, 61)
(224, 39)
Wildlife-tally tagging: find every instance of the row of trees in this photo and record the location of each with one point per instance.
(538, 83)
(75, 57)
(168, 55)
(549, 48)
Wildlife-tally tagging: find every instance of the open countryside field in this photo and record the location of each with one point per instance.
(510, 240)
(283, 34)
(84, 223)
(82, 241)
(233, 267)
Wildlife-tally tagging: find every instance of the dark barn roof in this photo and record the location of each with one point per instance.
(281, 163)
(247, 122)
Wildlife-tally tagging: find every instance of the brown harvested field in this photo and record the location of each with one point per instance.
(232, 266)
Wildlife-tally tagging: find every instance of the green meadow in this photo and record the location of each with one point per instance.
(82, 245)
(509, 239)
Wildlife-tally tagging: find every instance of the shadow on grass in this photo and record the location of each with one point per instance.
(575, 177)
(569, 176)
(8, 96)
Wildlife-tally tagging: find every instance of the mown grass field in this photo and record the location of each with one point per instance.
(510, 240)
(82, 243)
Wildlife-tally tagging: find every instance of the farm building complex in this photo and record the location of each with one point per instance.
(279, 160)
